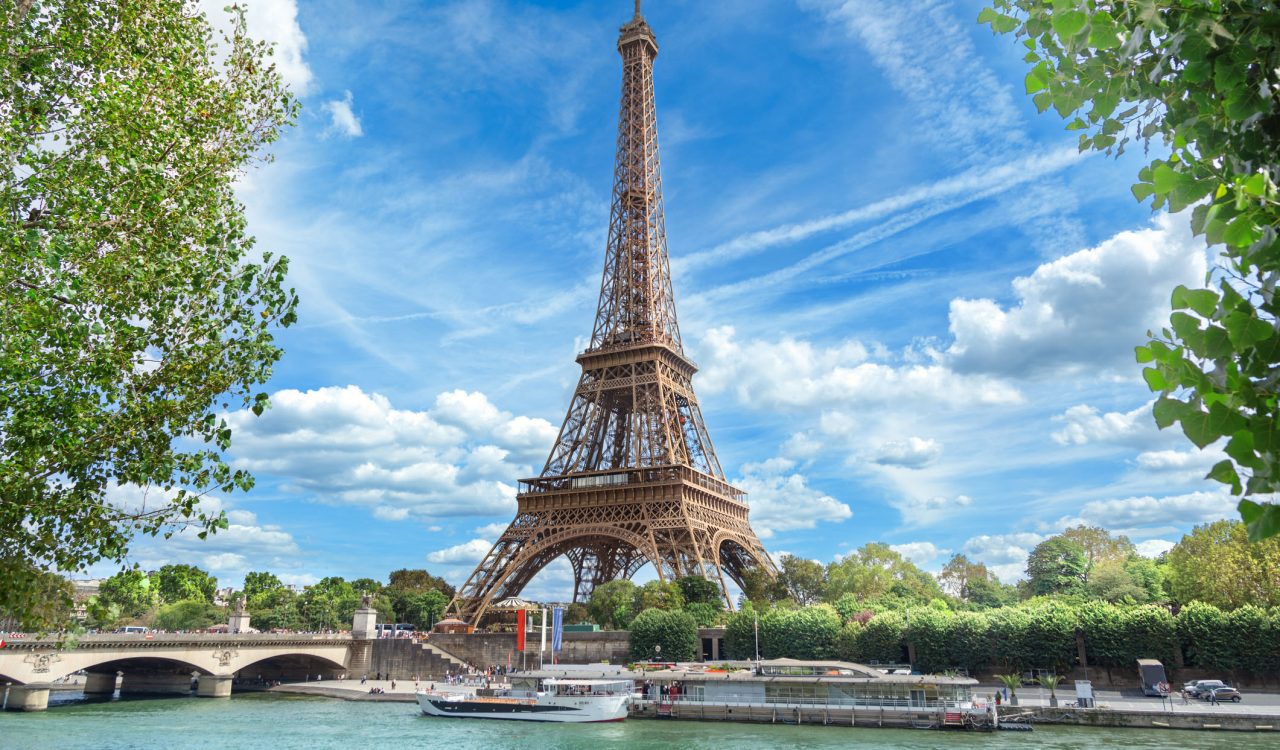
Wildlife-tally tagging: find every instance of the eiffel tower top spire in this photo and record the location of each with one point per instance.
(636, 305)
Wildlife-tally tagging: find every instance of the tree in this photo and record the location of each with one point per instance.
(675, 632)
(1056, 566)
(418, 580)
(257, 584)
(761, 587)
(1112, 582)
(180, 582)
(576, 613)
(133, 310)
(975, 583)
(1099, 546)
(610, 604)
(1204, 79)
(329, 604)
(190, 614)
(130, 591)
(696, 589)
(706, 615)
(803, 579)
(275, 608)
(876, 571)
(1216, 564)
(657, 595)
(425, 609)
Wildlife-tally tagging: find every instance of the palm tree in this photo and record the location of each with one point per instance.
(1012, 682)
(1051, 681)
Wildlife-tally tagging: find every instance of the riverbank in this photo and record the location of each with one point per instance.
(1113, 719)
(352, 690)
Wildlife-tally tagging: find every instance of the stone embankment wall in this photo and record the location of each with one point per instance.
(402, 658)
(1142, 719)
(494, 649)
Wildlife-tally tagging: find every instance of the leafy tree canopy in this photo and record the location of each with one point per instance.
(133, 309)
(1057, 566)
(610, 604)
(131, 591)
(803, 579)
(696, 589)
(180, 582)
(190, 614)
(1201, 78)
(1217, 565)
(259, 583)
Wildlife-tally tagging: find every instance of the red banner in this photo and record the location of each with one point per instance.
(520, 630)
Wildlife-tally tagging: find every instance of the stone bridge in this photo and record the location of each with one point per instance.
(168, 662)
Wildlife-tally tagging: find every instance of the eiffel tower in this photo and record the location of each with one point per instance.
(633, 477)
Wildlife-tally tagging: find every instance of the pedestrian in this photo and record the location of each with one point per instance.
(393, 684)
(364, 678)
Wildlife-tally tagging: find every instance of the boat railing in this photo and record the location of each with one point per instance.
(903, 704)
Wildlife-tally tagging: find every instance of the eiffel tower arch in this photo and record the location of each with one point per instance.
(633, 477)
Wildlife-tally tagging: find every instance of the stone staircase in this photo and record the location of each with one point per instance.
(402, 658)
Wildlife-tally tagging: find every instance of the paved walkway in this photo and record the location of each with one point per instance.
(1133, 700)
(352, 690)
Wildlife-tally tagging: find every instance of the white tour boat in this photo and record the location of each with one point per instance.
(552, 699)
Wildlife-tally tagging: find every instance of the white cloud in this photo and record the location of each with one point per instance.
(802, 446)
(920, 553)
(470, 553)
(226, 561)
(491, 530)
(792, 374)
(346, 446)
(1005, 555)
(1083, 424)
(276, 23)
(1134, 512)
(1084, 311)
(1153, 547)
(912, 453)
(785, 502)
(342, 119)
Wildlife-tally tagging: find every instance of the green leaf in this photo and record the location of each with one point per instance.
(1142, 190)
(1255, 185)
(1168, 410)
(1069, 23)
(1225, 472)
(1155, 380)
(1102, 32)
(1261, 519)
(1203, 301)
(1163, 178)
(1038, 78)
(1143, 355)
(1241, 232)
(1246, 330)
(1240, 448)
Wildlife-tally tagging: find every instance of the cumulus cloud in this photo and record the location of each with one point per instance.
(1153, 547)
(470, 553)
(1082, 424)
(346, 446)
(342, 119)
(1083, 311)
(912, 453)
(793, 374)
(920, 553)
(1132, 513)
(784, 502)
(1005, 555)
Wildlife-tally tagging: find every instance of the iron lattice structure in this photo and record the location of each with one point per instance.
(633, 477)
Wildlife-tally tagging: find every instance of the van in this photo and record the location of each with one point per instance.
(134, 629)
(1154, 681)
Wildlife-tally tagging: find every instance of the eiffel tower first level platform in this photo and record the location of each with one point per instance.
(633, 477)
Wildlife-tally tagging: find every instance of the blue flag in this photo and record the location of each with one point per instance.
(557, 629)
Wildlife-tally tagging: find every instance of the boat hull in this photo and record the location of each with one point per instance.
(560, 709)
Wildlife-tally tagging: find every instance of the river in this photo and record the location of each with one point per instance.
(282, 722)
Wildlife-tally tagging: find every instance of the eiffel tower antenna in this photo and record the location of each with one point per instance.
(633, 477)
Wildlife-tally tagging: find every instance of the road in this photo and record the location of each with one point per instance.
(1134, 700)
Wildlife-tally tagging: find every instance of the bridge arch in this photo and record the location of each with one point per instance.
(288, 667)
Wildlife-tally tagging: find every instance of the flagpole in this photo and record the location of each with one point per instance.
(542, 647)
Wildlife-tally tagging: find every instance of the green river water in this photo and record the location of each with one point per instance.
(281, 722)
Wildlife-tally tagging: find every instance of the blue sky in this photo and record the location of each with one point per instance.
(914, 305)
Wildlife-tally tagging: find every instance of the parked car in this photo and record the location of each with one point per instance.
(1224, 694)
(1202, 687)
